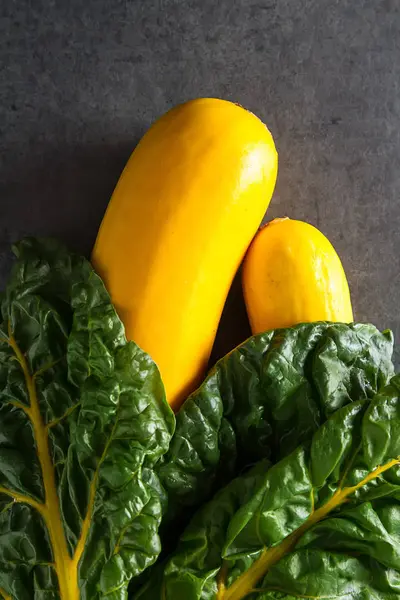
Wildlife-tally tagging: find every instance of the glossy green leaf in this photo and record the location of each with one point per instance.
(264, 399)
(323, 522)
(83, 420)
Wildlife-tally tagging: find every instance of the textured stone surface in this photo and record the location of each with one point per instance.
(82, 80)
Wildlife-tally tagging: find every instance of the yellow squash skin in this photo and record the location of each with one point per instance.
(292, 274)
(180, 220)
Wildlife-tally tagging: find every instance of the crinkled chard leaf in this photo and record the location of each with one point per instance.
(264, 399)
(321, 523)
(83, 420)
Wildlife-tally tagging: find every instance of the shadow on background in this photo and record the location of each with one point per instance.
(234, 326)
(59, 192)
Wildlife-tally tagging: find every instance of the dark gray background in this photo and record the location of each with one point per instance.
(81, 80)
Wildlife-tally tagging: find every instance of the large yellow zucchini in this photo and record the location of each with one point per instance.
(292, 274)
(177, 227)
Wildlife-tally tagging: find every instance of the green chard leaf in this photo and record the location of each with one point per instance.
(83, 421)
(265, 398)
(323, 522)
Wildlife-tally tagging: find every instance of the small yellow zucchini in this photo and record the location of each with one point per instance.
(292, 274)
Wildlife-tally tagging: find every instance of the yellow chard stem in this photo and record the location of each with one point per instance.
(4, 595)
(50, 510)
(246, 583)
